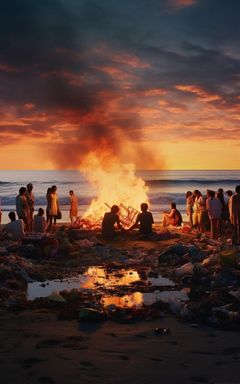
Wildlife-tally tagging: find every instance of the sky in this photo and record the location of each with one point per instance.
(153, 82)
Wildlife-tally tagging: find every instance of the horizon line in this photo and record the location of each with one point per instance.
(138, 170)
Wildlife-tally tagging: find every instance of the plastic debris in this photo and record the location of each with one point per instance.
(185, 269)
(228, 257)
(162, 331)
(91, 314)
(56, 298)
(211, 260)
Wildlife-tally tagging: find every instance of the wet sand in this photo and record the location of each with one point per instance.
(37, 348)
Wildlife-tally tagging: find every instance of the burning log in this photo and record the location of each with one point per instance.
(127, 216)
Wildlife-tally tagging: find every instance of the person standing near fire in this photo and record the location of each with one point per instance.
(73, 206)
(22, 207)
(214, 209)
(199, 210)
(30, 201)
(0, 211)
(234, 208)
(54, 207)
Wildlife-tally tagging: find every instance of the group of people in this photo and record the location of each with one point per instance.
(214, 211)
(28, 221)
(144, 221)
(204, 212)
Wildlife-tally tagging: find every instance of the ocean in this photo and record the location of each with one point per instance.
(164, 187)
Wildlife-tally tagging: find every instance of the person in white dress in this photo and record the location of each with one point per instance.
(54, 207)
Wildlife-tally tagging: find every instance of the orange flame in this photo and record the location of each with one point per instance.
(115, 184)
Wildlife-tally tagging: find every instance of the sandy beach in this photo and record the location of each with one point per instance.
(37, 348)
(43, 343)
(120, 192)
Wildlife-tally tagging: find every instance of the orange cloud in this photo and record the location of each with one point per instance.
(201, 93)
(183, 3)
(8, 68)
(112, 71)
(128, 60)
(155, 92)
(29, 106)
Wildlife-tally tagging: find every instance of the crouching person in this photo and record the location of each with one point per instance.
(39, 222)
(173, 218)
(15, 229)
(144, 221)
(108, 224)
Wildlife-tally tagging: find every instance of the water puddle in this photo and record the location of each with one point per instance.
(94, 278)
(138, 299)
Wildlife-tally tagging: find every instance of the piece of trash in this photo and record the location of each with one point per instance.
(91, 314)
(56, 298)
(228, 257)
(185, 269)
(211, 260)
(162, 331)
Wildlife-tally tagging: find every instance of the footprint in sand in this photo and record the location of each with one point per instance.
(124, 357)
(28, 363)
(86, 364)
(46, 380)
(156, 359)
(48, 343)
(231, 351)
(199, 379)
(75, 347)
(77, 338)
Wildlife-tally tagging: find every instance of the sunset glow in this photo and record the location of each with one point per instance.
(165, 98)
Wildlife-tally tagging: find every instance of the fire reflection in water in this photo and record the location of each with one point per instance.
(96, 276)
(138, 299)
(127, 301)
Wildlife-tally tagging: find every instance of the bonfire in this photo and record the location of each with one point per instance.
(115, 184)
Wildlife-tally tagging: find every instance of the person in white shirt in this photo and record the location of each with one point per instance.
(15, 228)
(39, 222)
(214, 208)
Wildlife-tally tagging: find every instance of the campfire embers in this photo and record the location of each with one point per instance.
(115, 183)
(127, 216)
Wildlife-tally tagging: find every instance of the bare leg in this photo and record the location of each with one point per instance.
(50, 223)
(191, 219)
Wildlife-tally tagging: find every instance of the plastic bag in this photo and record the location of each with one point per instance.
(59, 215)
